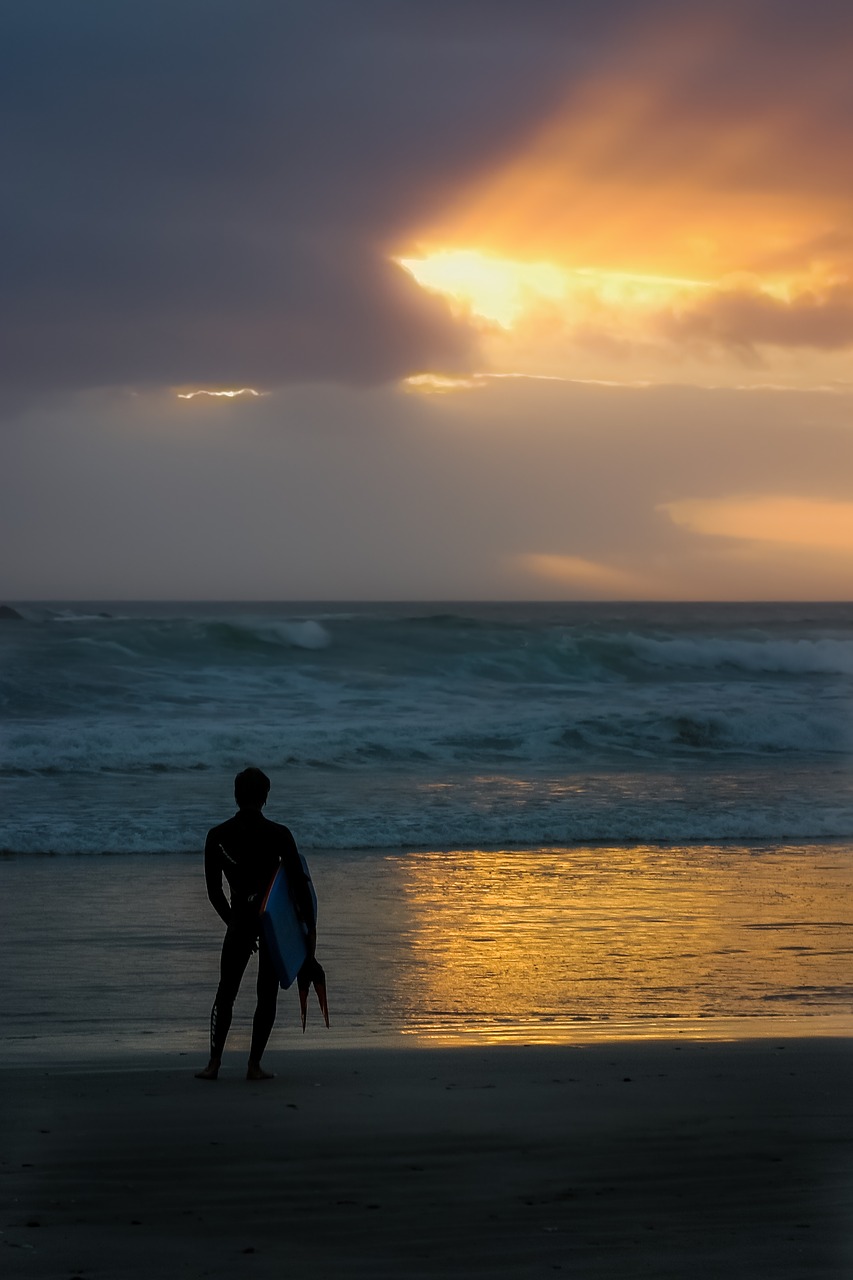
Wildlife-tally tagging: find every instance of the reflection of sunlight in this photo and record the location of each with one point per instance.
(803, 522)
(556, 945)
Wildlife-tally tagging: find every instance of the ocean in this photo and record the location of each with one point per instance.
(427, 726)
(525, 821)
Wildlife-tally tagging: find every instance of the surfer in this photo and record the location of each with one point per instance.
(247, 850)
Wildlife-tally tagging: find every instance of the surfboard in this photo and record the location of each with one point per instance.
(283, 931)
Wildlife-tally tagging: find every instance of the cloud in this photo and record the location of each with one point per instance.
(203, 190)
(341, 314)
(694, 147)
(745, 320)
(785, 521)
(200, 191)
(231, 394)
(340, 493)
(589, 579)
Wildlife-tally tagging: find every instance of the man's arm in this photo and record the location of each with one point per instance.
(213, 879)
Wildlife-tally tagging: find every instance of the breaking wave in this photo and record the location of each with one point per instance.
(433, 694)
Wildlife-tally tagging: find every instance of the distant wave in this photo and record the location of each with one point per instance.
(765, 653)
(307, 634)
(402, 736)
(519, 647)
(428, 699)
(166, 692)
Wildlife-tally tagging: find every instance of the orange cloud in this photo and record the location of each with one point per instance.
(811, 523)
(628, 178)
(744, 319)
(588, 577)
(700, 156)
(687, 152)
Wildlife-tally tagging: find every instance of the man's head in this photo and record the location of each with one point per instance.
(251, 788)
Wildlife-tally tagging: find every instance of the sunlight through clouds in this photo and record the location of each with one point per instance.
(653, 228)
(502, 290)
(495, 288)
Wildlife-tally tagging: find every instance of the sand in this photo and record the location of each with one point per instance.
(679, 1159)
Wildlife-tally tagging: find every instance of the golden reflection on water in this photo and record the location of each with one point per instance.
(572, 944)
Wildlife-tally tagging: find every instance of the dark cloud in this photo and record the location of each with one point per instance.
(744, 320)
(210, 190)
(341, 312)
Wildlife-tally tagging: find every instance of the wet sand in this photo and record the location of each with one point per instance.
(550, 945)
(631, 1160)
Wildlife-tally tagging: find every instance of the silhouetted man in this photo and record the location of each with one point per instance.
(247, 850)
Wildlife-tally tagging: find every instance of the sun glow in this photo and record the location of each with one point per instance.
(496, 289)
(576, 573)
(617, 181)
(638, 235)
(502, 290)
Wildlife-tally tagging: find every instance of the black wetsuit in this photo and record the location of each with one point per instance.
(247, 850)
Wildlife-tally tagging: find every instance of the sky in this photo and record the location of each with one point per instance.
(450, 299)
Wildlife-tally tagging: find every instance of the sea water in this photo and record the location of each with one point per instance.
(431, 726)
(535, 822)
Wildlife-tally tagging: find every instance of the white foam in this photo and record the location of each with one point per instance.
(306, 635)
(360, 696)
(824, 655)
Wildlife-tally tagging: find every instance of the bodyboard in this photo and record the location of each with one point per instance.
(282, 930)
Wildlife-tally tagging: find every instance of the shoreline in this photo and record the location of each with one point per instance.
(642, 1159)
(67, 1053)
(487, 947)
(764, 843)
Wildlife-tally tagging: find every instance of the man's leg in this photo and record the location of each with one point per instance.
(236, 950)
(264, 1018)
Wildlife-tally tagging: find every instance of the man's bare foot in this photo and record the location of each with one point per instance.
(211, 1071)
(256, 1072)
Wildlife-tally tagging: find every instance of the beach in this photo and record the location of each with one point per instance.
(109, 957)
(586, 908)
(428, 513)
(617, 1160)
(467, 1114)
